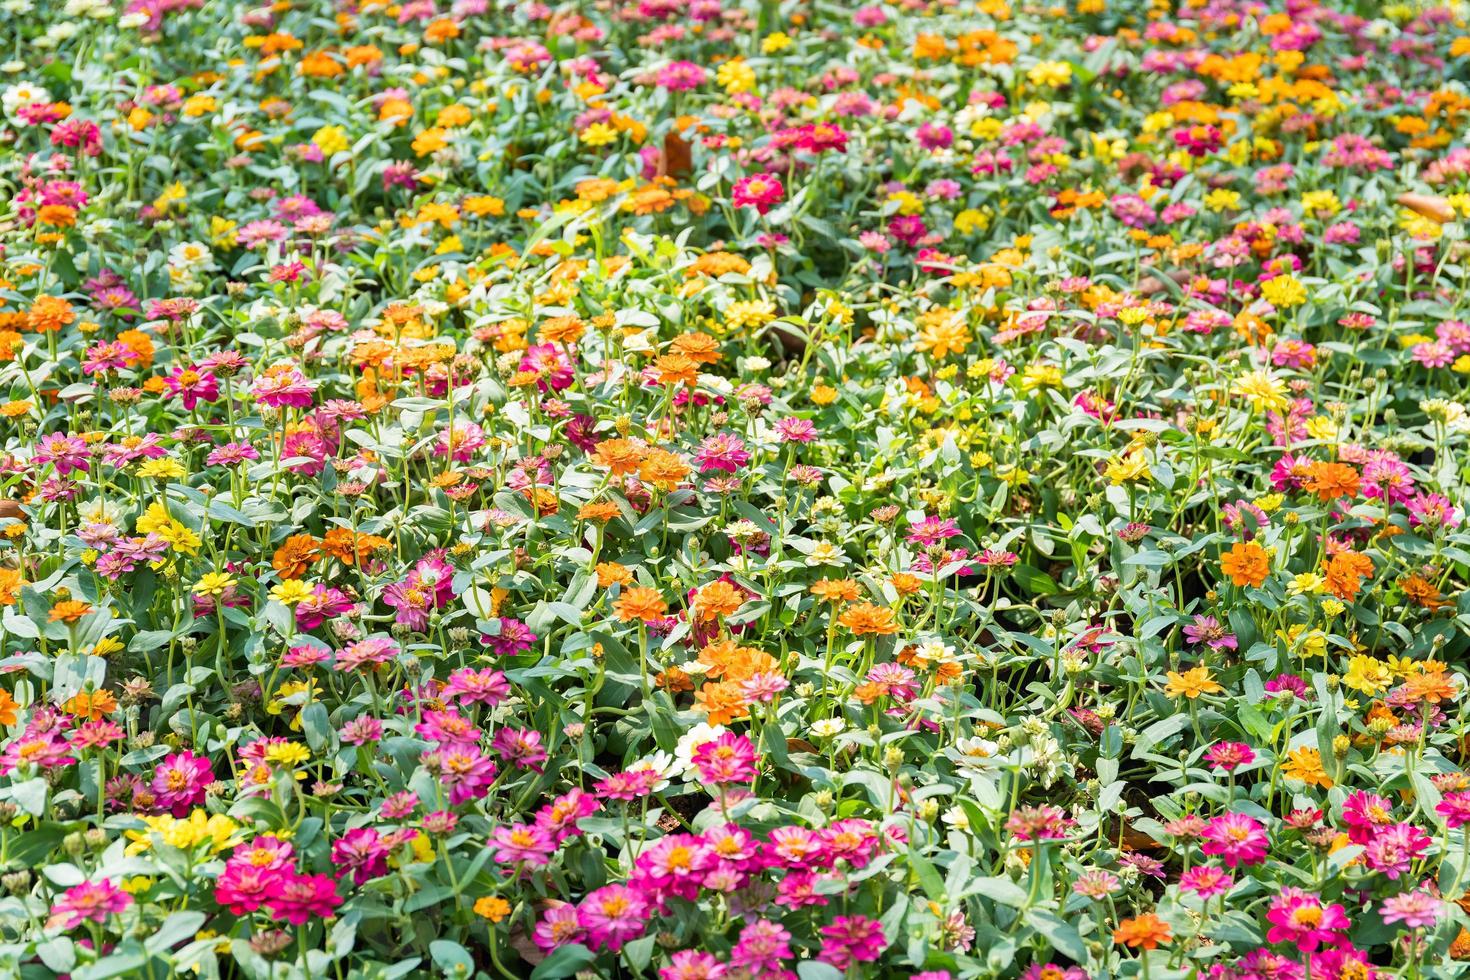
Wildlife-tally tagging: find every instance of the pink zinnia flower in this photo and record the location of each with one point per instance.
(180, 780)
(300, 898)
(727, 759)
(1229, 756)
(67, 453)
(852, 939)
(1206, 881)
(1417, 909)
(1299, 917)
(611, 916)
(1236, 839)
(191, 386)
(760, 191)
(91, 901)
(721, 452)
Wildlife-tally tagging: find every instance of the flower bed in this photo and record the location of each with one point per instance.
(751, 489)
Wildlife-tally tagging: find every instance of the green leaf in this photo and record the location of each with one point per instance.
(174, 930)
(1062, 935)
(452, 958)
(563, 962)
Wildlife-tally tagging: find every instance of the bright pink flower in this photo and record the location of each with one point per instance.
(727, 759)
(300, 898)
(1299, 917)
(192, 386)
(852, 939)
(611, 916)
(1206, 881)
(759, 191)
(91, 901)
(1236, 839)
(179, 782)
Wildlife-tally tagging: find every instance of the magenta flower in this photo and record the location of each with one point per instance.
(1230, 756)
(428, 586)
(464, 770)
(1394, 848)
(550, 363)
(1038, 823)
(851, 939)
(300, 898)
(243, 888)
(759, 191)
(1206, 881)
(521, 747)
(460, 441)
(559, 926)
(691, 964)
(1417, 909)
(42, 749)
(727, 759)
(722, 453)
(1455, 808)
(1364, 813)
(1299, 917)
(1207, 630)
(559, 817)
(68, 453)
(369, 651)
(283, 387)
(522, 844)
(795, 430)
(932, 531)
(487, 686)
(611, 916)
(192, 386)
(91, 901)
(761, 949)
(364, 852)
(323, 604)
(1236, 839)
(179, 782)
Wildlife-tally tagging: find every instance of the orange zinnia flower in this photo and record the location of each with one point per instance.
(562, 330)
(1345, 573)
(9, 586)
(69, 611)
(723, 701)
(9, 710)
(674, 680)
(676, 369)
(1430, 686)
(610, 573)
(663, 469)
(640, 603)
(1146, 931)
(295, 555)
(621, 456)
(601, 512)
(717, 600)
(865, 618)
(836, 590)
(725, 660)
(700, 348)
(906, 583)
(350, 549)
(1330, 481)
(1246, 563)
(92, 705)
(49, 314)
(1420, 590)
(1306, 764)
(1192, 683)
